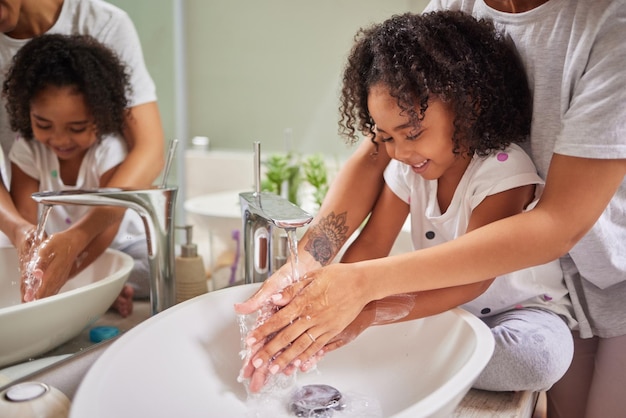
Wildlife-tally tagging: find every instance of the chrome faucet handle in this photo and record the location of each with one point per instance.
(278, 210)
(262, 212)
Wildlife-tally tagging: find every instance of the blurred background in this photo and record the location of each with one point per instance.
(243, 70)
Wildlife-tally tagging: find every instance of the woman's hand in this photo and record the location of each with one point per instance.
(364, 320)
(378, 312)
(304, 362)
(320, 306)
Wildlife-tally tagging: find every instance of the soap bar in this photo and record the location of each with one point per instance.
(99, 334)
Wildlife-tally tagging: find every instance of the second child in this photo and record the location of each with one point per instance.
(67, 99)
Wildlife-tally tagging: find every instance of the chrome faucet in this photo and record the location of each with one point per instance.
(261, 213)
(156, 208)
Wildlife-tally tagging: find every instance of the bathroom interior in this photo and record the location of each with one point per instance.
(229, 75)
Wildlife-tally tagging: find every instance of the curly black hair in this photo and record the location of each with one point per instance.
(78, 61)
(450, 56)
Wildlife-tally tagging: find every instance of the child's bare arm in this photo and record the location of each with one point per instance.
(382, 228)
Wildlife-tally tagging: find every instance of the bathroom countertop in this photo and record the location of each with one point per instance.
(141, 311)
(483, 404)
(65, 366)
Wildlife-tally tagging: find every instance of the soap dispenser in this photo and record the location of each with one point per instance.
(191, 279)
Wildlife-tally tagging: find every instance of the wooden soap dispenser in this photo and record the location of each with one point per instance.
(191, 279)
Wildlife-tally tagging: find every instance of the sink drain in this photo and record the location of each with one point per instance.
(316, 401)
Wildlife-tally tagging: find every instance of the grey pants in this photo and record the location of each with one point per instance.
(139, 277)
(533, 350)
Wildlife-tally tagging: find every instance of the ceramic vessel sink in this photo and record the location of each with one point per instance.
(185, 362)
(218, 214)
(30, 329)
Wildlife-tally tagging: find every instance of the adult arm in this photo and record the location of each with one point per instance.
(19, 224)
(375, 241)
(577, 191)
(22, 187)
(146, 142)
(16, 228)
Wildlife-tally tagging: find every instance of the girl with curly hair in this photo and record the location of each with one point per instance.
(66, 97)
(21, 21)
(447, 97)
(574, 53)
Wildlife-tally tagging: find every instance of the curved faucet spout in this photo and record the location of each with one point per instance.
(156, 208)
(261, 212)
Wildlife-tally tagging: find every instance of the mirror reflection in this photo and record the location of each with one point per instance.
(233, 72)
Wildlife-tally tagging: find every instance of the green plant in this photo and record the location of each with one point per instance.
(281, 169)
(316, 174)
(284, 170)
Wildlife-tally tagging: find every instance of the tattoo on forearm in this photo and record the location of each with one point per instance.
(326, 237)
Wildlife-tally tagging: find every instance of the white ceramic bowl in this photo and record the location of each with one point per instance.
(185, 362)
(30, 329)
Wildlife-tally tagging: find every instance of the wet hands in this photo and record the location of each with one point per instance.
(268, 291)
(315, 311)
(253, 313)
(272, 288)
(25, 238)
(26, 245)
(48, 266)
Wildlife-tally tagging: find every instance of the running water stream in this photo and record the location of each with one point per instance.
(32, 280)
(292, 240)
(281, 396)
(280, 382)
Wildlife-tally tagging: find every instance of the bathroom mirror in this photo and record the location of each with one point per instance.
(239, 71)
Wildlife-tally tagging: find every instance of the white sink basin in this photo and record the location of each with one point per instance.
(185, 362)
(30, 329)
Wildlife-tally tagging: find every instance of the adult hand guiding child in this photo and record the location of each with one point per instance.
(578, 143)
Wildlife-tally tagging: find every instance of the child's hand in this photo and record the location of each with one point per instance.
(52, 262)
(31, 282)
(24, 242)
(271, 290)
(26, 245)
(321, 305)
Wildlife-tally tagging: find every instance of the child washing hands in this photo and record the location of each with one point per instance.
(67, 100)
(447, 97)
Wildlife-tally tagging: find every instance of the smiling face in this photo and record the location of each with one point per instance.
(61, 120)
(427, 147)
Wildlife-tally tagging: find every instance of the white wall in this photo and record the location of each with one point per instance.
(252, 68)
(257, 67)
